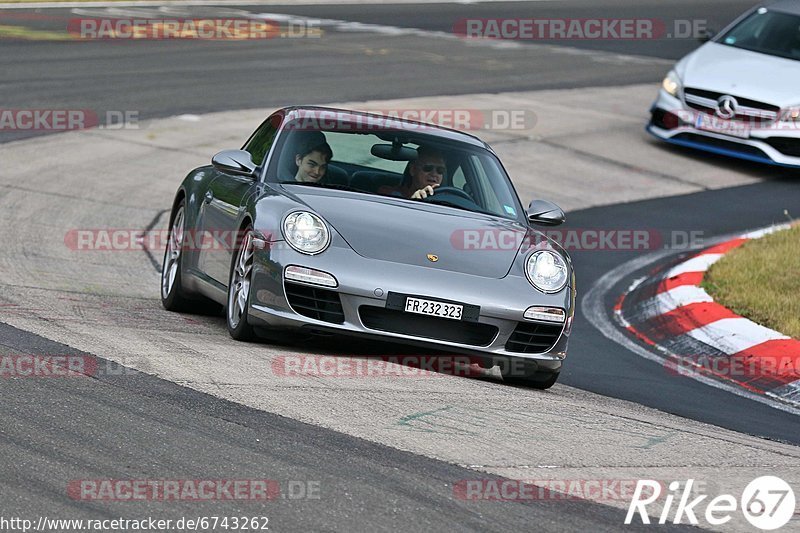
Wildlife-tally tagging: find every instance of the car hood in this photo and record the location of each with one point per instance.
(725, 69)
(401, 232)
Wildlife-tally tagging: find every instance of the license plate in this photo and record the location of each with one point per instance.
(432, 308)
(720, 125)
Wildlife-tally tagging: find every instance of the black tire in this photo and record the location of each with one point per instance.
(173, 295)
(236, 308)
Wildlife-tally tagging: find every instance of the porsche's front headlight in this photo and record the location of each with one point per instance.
(306, 232)
(671, 83)
(547, 271)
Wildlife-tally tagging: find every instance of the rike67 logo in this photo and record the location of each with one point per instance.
(767, 502)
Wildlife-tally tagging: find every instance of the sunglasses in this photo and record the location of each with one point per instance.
(430, 168)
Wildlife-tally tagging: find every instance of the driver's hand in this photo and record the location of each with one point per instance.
(423, 193)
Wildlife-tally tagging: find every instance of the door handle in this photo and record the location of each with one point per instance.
(209, 196)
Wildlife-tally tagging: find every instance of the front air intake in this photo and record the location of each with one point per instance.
(315, 302)
(533, 337)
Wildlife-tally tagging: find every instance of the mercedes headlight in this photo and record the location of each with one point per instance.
(547, 271)
(672, 83)
(306, 232)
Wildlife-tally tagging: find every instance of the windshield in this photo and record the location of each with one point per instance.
(407, 165)
(767, 32)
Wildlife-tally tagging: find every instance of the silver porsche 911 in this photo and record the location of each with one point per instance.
(337, 221)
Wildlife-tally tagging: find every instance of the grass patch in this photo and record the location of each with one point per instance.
(760, 280)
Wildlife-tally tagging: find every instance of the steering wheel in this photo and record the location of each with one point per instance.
(455, 191)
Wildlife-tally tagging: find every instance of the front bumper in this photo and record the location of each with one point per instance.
(365, 282)
(776, 143)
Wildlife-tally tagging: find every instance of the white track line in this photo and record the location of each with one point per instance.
(672, 299)
(733, 335)
(701, 263)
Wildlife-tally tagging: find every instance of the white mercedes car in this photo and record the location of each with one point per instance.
(739, 94)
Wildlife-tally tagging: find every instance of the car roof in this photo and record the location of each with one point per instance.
(784, 6)
(377, 120)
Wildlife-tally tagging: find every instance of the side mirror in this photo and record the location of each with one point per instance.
(236, 162)
(545, 213)
(706, 35)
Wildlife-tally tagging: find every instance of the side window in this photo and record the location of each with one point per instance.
(259, 144)
(483, 186)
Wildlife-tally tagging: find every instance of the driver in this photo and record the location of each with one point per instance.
(423, 175)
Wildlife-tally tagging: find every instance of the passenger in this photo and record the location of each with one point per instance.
(422, 176)
(312, 159)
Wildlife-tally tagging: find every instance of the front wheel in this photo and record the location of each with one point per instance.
(239, 289)
(172, 295)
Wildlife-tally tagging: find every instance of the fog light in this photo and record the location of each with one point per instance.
(545, 314)
(309, 275)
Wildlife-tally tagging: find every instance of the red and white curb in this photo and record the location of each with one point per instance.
(673, 313)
